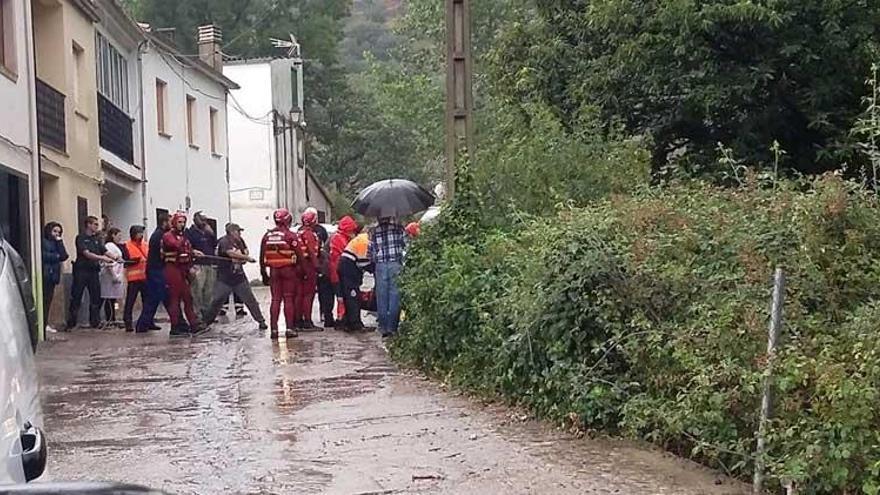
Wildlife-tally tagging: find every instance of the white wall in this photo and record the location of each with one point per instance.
(15, 119)
(253, 182)
(176, 170)
(251, 147)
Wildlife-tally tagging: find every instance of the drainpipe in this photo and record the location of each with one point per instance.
(35, 176)
(226, 142)
(140, 63)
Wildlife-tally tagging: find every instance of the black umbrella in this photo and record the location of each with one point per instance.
(392, 198)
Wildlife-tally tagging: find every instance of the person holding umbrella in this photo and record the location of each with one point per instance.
(389, 200)
(387, 245)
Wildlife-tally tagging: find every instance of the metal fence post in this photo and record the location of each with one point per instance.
(766, 401)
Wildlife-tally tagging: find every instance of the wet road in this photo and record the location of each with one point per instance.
(233, 412)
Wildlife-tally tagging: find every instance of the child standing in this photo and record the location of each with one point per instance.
(112, 276)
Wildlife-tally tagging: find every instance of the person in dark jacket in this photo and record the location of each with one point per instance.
(90, 252)
(326, 294)
(155, 292)
(54, 254)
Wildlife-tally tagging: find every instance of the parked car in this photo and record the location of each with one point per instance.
(22, 443)
(78, 489)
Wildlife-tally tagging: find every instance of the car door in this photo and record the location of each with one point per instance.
(19, 392)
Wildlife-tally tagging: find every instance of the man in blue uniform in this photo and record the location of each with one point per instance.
(156, 291)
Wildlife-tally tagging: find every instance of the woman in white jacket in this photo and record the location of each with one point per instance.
(112, 275)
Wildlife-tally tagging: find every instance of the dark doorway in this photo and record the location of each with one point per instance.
(159, 213)
(14, 219)
(82, 212)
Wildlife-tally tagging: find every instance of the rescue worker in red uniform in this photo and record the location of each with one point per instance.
(178, 255)
(307, 269)
(278, 262)
(345, 232)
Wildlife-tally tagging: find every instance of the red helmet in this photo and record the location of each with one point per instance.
(177, 216)
(310, 216)
(282, 217)
(413, 229)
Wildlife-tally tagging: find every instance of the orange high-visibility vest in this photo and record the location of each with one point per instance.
(279, 248)
(137, 272)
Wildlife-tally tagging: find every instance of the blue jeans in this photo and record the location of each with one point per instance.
(154, 295)
(388, 297)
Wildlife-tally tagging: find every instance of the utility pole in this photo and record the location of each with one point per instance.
(459, 88)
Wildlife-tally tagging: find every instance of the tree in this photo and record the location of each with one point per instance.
(692, 74)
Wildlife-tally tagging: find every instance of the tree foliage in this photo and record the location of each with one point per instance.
(692, 74)
(646, 315)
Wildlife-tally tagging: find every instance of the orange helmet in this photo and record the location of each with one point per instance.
(282, 217)
(309, 217)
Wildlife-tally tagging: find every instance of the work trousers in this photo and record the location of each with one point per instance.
(134, 290)
(85, 280)
(156, 294)
(350, 280)
(326, 298)
(307, 286)
(179, 292)
(242, 290)
(283, 285)
(202, 286)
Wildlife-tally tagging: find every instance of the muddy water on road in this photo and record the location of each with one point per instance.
(233, 412)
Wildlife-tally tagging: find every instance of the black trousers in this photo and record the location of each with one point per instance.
(85, 280)
(350, 279)
(48, 296)
(134, 290)
(326, 298)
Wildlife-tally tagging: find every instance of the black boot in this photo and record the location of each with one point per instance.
(179, 331)
(291, 333)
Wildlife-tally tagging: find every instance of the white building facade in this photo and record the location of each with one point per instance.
(185, 131)
(268, 167)
(19, 162)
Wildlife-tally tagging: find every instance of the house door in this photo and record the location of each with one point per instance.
(14, 218)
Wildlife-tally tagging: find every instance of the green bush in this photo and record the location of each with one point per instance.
(646, 315)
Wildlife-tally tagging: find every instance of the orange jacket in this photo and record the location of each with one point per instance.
(344, 234)
(137, 251)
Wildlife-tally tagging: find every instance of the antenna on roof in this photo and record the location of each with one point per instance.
(292, 46)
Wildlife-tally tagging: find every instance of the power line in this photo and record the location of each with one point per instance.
(183, 77)
(257, 24)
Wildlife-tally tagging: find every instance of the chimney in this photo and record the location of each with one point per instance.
(167, 34)
(210, 44)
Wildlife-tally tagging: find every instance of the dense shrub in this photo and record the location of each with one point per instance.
(646, 315)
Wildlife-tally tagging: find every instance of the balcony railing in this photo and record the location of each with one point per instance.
(50, 116)
(115, 127)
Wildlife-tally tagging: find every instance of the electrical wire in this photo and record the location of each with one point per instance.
(264, 18)
(266, 119)
(182, 77)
